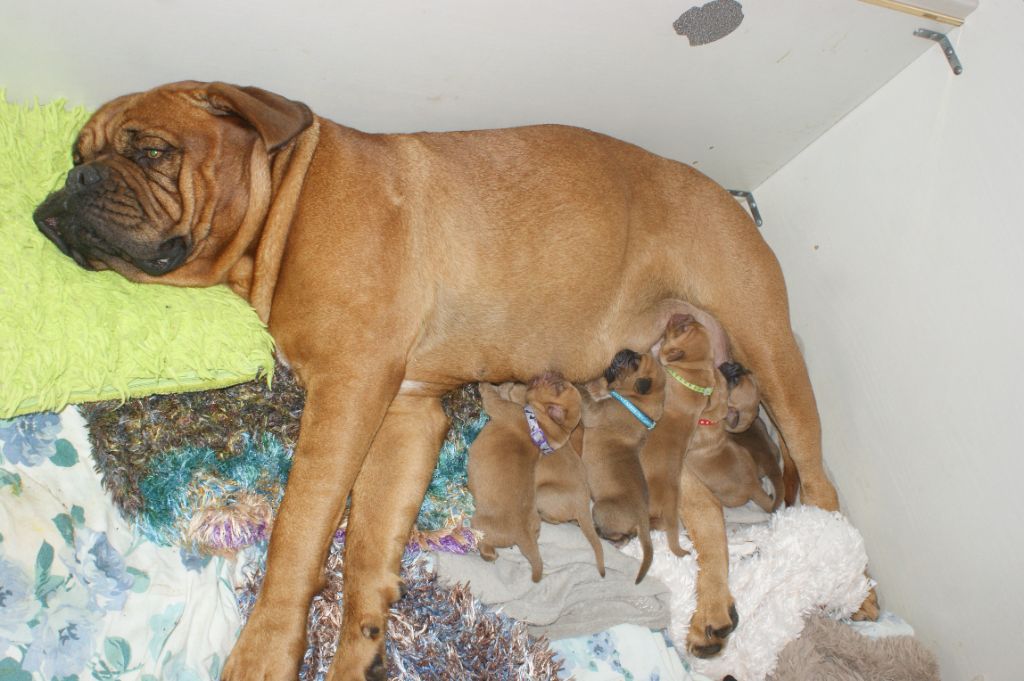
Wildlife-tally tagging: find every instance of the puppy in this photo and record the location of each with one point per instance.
(763, 451)
(726, 467)
(562, 494)
(685, 352)
(619, 409)
(504, 456)
(744, 397)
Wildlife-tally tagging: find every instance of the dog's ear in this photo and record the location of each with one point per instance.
(732, 419)
(517, 393)
(556, 412)
(679, 322)
(277, 120)
(598, 388)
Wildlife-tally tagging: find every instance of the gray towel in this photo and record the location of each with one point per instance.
(571, 599)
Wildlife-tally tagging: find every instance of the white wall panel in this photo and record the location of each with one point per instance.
(899, 231)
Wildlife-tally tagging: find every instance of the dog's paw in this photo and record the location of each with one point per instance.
(707, 635)
(869, 610)
(361, 657)
(265, 651)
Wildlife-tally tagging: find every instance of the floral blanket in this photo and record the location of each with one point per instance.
(82, 595)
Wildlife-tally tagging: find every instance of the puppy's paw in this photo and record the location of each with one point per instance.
(708, 633)
(869, 610)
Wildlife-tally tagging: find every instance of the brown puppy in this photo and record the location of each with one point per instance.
(685, 352)
(619, 409)
(725, 467)
(743, 399)
(764, 453)
(381, 265)
(504, 456)
(562, 493)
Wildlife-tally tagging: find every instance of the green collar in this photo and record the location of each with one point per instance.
(692, 386)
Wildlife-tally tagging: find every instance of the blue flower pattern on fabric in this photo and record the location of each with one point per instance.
(100, 568)
(17, 604)
(63, 641)
(29, 440)
(53, 615)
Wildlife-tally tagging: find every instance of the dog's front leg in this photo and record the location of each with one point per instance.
(338, 422)
(386, 498)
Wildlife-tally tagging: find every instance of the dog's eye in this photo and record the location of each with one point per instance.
(153, 153)
(76, 158)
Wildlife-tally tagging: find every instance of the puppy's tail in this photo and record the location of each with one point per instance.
(586, 522)
(790, 476)
(672, 533)
(532, 552)
(645, 543)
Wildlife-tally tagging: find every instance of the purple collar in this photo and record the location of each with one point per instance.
(536, 433)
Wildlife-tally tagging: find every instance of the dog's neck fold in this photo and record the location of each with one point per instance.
(260, 243)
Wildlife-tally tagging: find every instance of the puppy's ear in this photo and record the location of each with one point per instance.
(598, 388)
(517, 393)
(678, 323)
(277, 120)
(557, 413)
(732, 418)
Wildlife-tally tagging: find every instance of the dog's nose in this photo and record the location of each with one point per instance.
(82, 177)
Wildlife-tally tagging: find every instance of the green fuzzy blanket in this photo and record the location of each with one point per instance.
(70, 336)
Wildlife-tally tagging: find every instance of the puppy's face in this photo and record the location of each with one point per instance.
(556, 397)
(744, 397)
(632, 374)
(165, 177)
(685, 340)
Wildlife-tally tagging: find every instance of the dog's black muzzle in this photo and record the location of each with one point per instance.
(69, 218)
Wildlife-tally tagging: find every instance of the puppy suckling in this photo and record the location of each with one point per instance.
(503, 459)
(562, 494)
(685, 353)
(743, 398)
(619, 409)
(725, 465)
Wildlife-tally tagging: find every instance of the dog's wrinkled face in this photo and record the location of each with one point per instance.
(557, 397)
(163, 179)
(685, 340)
(633, 374)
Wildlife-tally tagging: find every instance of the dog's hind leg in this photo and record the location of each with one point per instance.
(385, 500)
(715, 615)
(749, 299)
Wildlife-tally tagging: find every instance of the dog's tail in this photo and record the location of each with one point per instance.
(586, 522)
(645, 543)
(671, 522)
(532, 552)
(790, 476)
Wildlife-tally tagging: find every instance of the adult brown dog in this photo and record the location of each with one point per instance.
(391, 268)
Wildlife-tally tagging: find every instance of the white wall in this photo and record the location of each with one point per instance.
(901, 233)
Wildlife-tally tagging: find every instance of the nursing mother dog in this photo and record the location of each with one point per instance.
(392, 268)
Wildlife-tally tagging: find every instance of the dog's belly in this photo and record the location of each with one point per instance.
(485, 348)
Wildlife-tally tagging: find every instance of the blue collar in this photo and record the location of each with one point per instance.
(635, 411)
(536, 432)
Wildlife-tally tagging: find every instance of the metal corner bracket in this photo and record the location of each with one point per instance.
(947, 48)
(751, 203)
